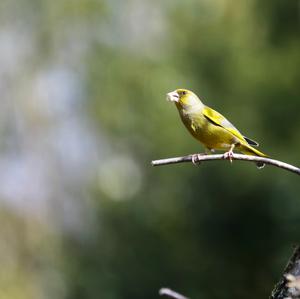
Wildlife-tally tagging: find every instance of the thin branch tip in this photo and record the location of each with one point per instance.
(170, 293)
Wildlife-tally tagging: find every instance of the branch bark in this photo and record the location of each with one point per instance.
(240, 157)
(289, 284)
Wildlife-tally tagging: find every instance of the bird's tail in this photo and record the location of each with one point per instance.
(249, 150)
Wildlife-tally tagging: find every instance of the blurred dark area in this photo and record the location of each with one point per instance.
(83, 112)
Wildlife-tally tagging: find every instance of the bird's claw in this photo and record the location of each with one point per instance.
(228, 156)
(196, 159)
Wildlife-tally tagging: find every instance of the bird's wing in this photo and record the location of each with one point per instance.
(251, 141)
(219, 120)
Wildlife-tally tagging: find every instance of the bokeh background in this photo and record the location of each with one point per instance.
(83, 214)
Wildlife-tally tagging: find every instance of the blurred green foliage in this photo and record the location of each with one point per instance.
(83, 112)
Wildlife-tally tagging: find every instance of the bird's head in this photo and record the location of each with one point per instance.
(183, 98)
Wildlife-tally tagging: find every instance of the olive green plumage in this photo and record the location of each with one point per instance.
(210, 127)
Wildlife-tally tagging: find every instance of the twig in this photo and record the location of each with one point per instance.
(239, 157)
(170, 293)
(288, 286)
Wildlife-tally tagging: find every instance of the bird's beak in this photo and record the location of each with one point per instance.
(173, 96)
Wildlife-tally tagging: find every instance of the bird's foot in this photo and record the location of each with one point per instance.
(228, 155)
(196, 158)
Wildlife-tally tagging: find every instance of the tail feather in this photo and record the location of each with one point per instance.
(249, 150)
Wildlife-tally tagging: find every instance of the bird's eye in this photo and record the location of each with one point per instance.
(183, 92)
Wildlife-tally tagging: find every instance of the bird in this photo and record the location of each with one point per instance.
(210, 127)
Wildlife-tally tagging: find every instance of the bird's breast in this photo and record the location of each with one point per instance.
(209, 134)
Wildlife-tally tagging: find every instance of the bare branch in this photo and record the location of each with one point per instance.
(239, 157)
(170, 293)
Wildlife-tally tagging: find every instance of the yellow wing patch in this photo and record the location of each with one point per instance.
(219, 120)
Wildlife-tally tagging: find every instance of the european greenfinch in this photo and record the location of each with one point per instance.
(210, 127)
